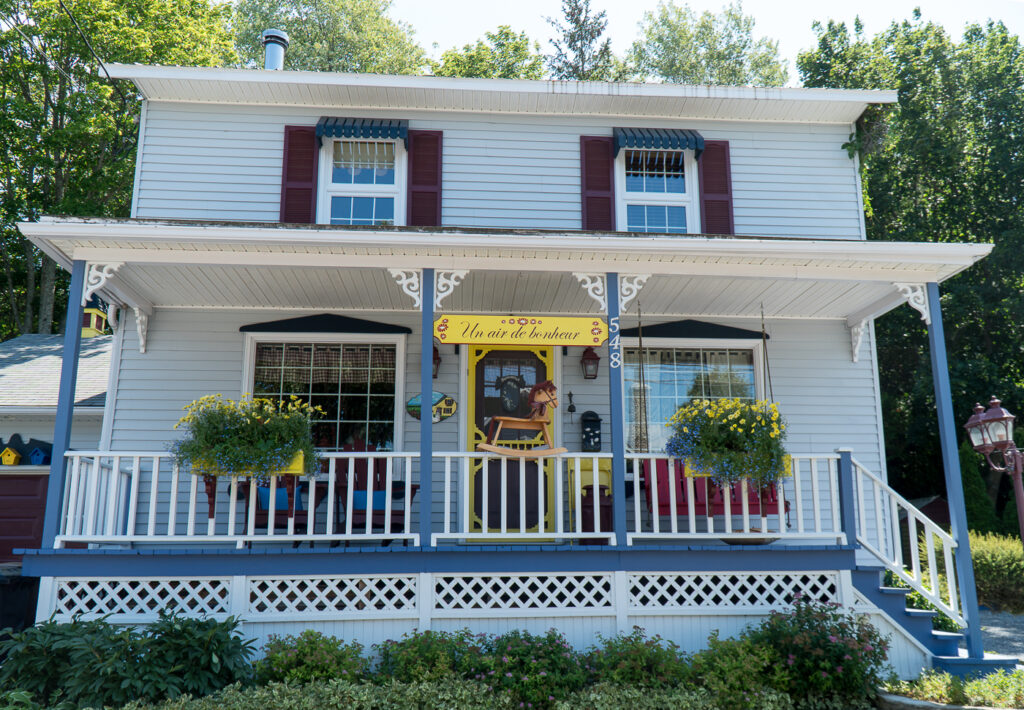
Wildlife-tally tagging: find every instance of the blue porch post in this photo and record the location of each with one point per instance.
(65, 403)
(951, 467)
(615, 395)
(847, 502)
(426, 398)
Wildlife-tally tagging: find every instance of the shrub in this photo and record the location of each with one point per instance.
(998, 569)
(533, 670)
(635, 659)
(999, 689)
(428, 655)
(824, 652)
(606, 696)
(736, 672)
(94, 663)
(310, 656)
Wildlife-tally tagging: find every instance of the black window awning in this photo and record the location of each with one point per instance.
(324, 323)
(387, 128)
(663, 138)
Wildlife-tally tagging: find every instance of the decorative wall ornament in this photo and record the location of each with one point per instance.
(442, 406)
(409, 281)
(96, 277)
(629, 288)
(444, 283)
(114, 317)
(857, 337)
(141, 327)
(917, 298)
(595, 287)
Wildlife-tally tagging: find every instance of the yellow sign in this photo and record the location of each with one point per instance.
(520, 330)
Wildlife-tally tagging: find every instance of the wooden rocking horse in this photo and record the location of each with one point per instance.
(543, 396)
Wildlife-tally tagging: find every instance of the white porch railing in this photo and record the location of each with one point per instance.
(542, 499)
(142, 497)
(880, 530)
(805, 504)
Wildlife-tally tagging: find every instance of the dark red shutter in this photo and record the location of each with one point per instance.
(298, 175)
(597, 183)
(423, 208)
(715, 189)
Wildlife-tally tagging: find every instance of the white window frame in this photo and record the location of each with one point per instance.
(396, 339)
(690, 199)
(703, 344)
(326, 188)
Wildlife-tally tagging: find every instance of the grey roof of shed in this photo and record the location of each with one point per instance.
(30, 371)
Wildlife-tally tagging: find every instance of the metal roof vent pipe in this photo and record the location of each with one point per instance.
(275, 42)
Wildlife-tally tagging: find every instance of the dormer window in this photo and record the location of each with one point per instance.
(363, 182)
(656, 191)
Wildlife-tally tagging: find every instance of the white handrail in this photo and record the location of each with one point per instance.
(880, 532)
(139, 497)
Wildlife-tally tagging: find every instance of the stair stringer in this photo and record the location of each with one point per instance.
(907, 655)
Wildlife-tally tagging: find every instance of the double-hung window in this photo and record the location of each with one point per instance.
(364, 182)
(656, 191)
(665, 376)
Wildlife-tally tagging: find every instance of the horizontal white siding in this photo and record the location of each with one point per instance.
(224, 163)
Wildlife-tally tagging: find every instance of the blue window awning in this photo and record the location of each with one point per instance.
(663, 138)
(387, 128)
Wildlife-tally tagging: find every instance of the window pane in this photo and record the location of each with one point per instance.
(636, 219)
(341, 210)
(362, 210)
(383, 210)
(655, 171)
(676, 220)
(363, 163)
(656, 218)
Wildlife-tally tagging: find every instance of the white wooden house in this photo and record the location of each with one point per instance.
(307, 233)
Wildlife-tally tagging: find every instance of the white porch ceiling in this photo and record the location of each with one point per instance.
(236, 265)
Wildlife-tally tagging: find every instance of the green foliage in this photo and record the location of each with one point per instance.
(678, 46)
(998, 571)
(505, 55)
(735, 671)
(309, 657)
(914, 600)
(942, 166)
(606, 696)
(636, 659)
(332, 35)
(94, 663)
(67, 133)
(579, 51)
(999, 689)
(428, 656)
(730, 440)
(981, 509)
(823, 652)
(245, 437)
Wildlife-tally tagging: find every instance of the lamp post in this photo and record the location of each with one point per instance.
(991, 432)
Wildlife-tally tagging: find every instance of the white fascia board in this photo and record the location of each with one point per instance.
(957, 256)
(21, 411)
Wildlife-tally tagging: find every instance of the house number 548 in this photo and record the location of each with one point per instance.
(614, 345)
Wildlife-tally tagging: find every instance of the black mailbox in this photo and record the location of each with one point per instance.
(590, 426)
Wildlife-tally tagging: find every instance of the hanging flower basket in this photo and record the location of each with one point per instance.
(730, 440)
(249, 437)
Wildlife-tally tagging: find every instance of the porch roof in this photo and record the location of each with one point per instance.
(288, 266)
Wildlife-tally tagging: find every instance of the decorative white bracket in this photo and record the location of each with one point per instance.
(141, 327)
(114, 317)
(629, 287)
(917, 298)
(409, 281)
(857, 337)
(595, 287)
(96, 277)
(444, 283)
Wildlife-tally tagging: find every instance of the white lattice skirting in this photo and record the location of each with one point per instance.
(425, 596)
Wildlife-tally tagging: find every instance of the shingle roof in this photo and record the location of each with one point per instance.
(30, 371)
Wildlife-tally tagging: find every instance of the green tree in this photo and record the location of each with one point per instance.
(679, 46)
(67, 133)
(944, 165)
(504, 55)
(330, 35)
(579, 52)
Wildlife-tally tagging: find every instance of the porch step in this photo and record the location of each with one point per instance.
(964, 667)
(946, 643)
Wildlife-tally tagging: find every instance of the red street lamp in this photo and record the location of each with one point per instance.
(991, 433)
(589, 362)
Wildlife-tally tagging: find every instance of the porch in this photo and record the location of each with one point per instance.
(421, 493)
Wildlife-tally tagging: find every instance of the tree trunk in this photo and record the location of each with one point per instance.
(30, 287)
(47, 294)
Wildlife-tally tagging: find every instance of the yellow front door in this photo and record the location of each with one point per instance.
(499, 380)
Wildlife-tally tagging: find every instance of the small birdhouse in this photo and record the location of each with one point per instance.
(38, 457)
(9, 457)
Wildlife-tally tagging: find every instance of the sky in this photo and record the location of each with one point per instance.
(450, 23)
